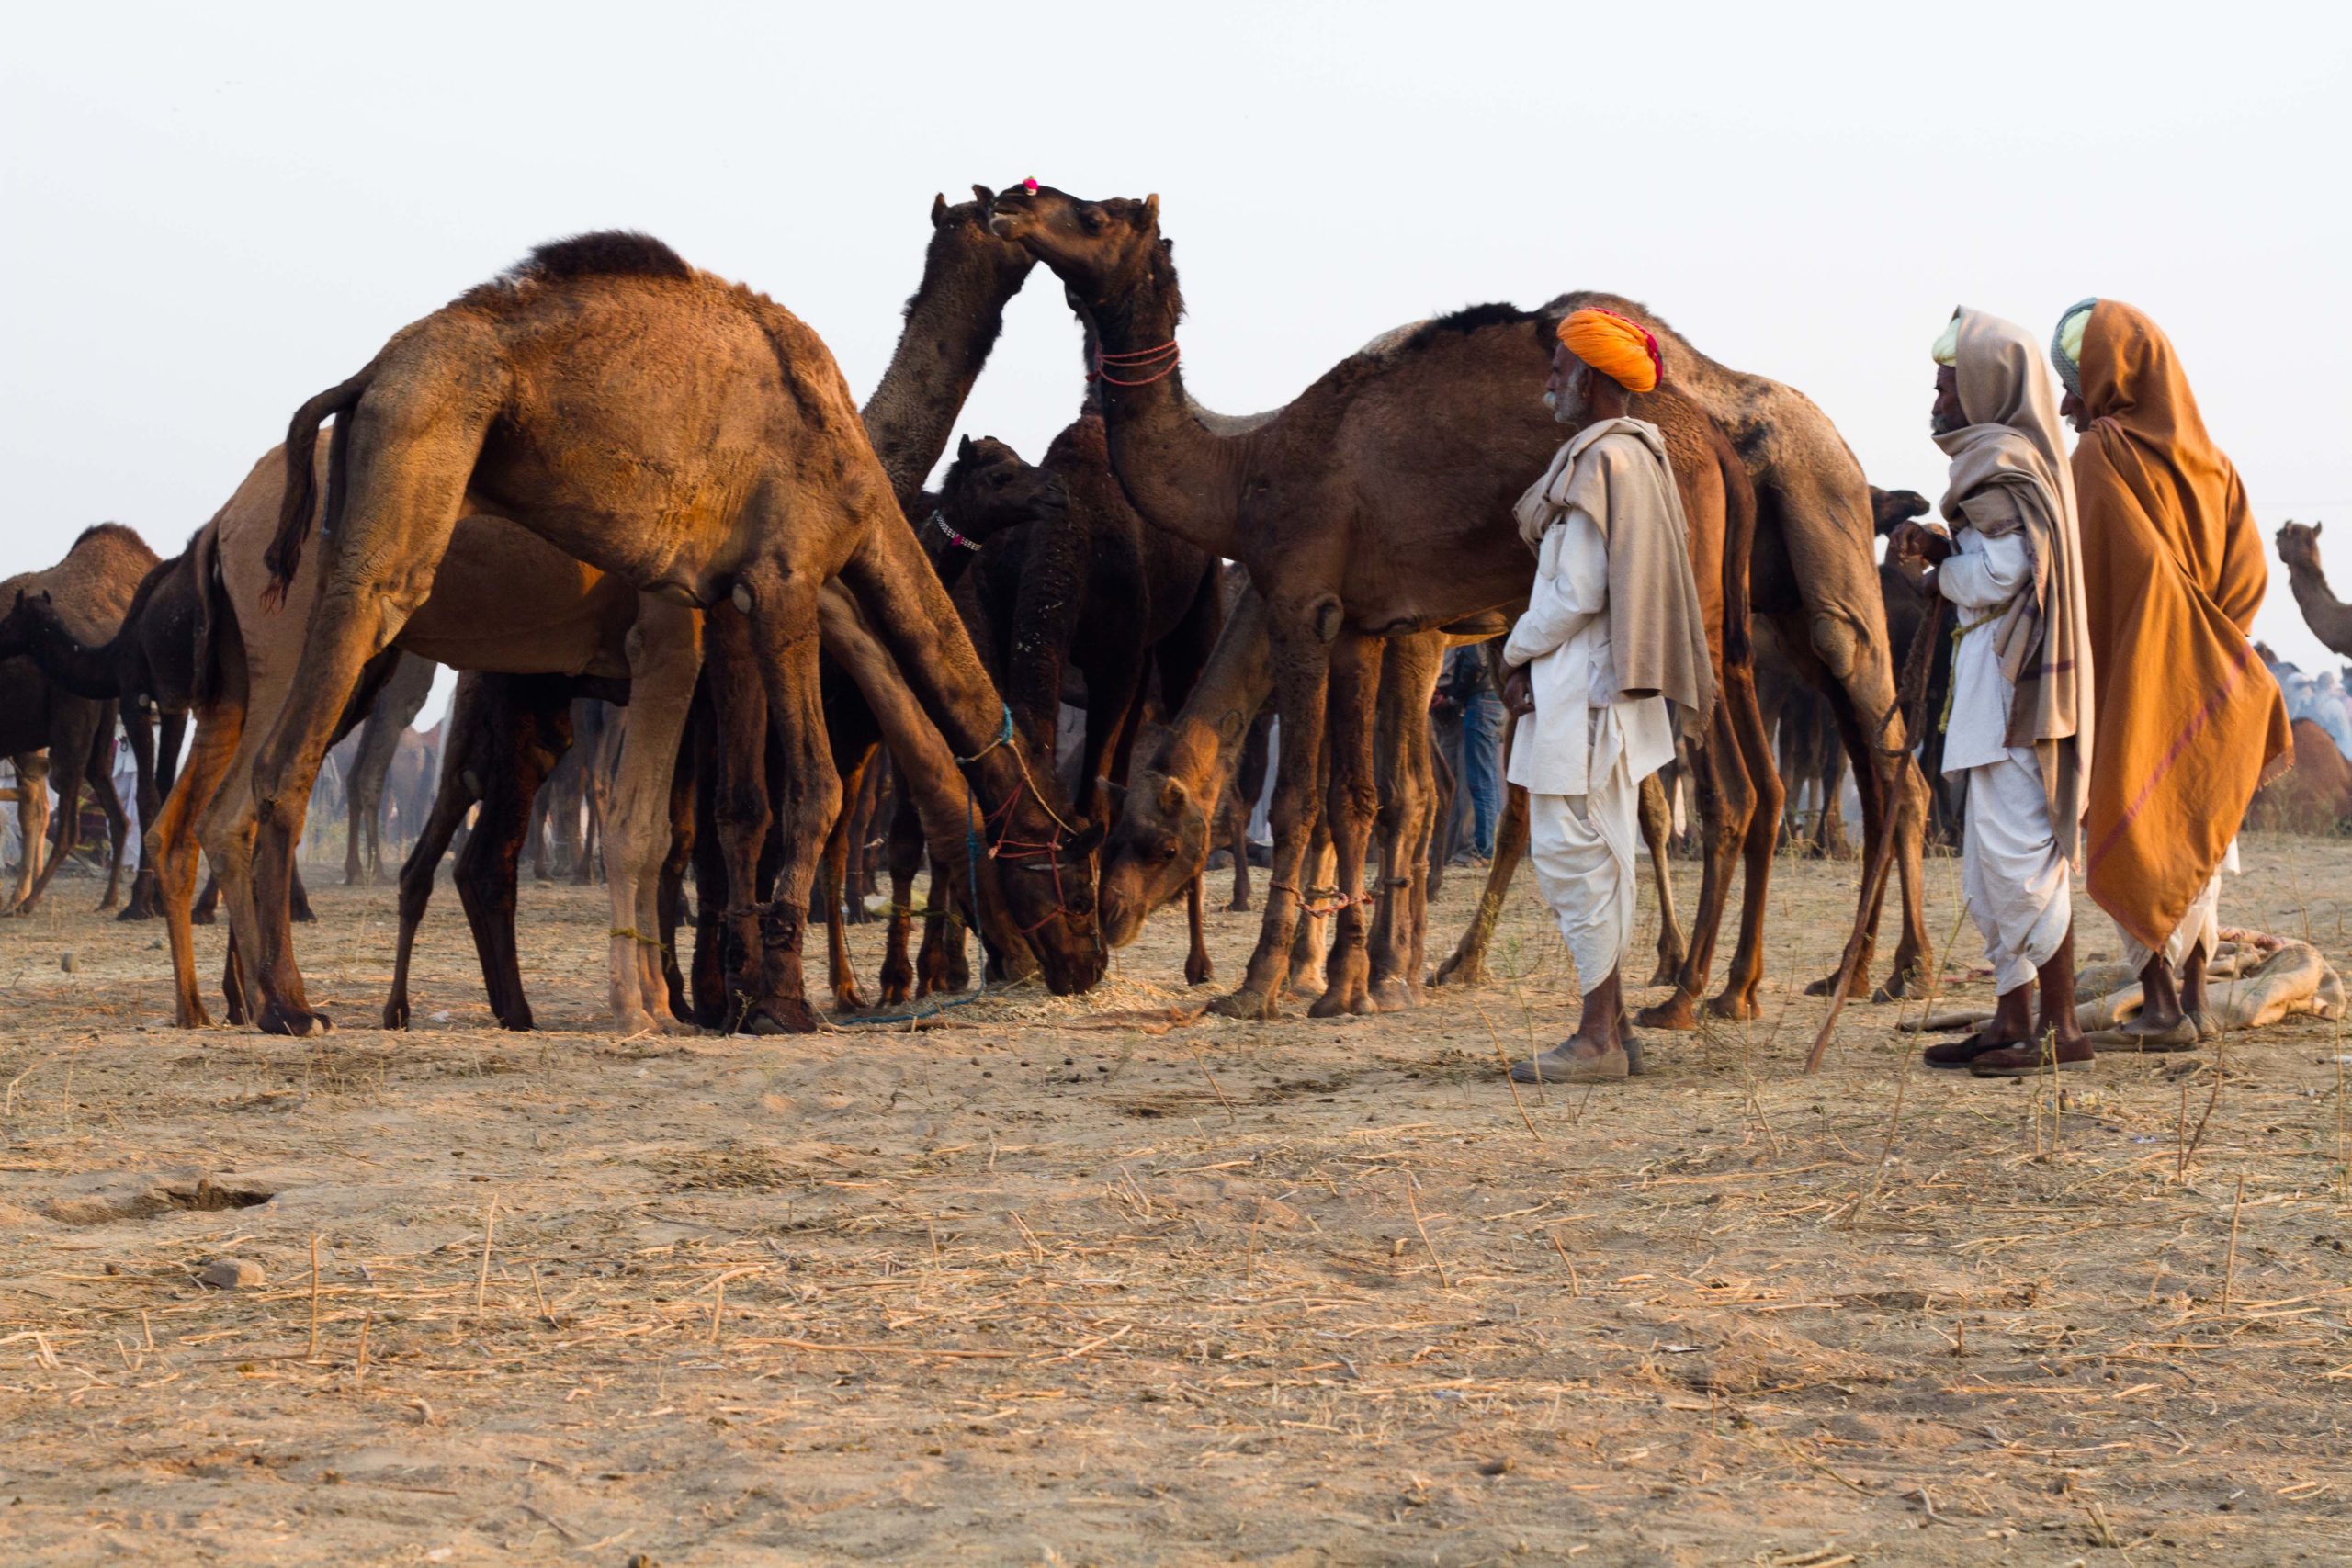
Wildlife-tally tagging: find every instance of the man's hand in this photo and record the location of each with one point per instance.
(1914, 543)
(1518, 692)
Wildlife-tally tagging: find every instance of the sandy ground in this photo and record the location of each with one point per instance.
(1061, 1284)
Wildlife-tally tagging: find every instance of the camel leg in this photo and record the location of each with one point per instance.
(714, 872)
(1888, 782)
(1737, 999)
(1249, 781)
(1658, 828)
(857, 880)
(1312, 946)
(141, 728)
(904, 858)
(1302, 662)
(740, 796)
(1406, 810)
(110, 801)
(1725, 806)
(32, 824)
(785, 637)
(833, 878)
(69, 769)
(1351, 803)
(671, 894)
(467, 769)
(397, 518)
(172, 844)
(1198, 968)
(665, 657)
(1468, 965)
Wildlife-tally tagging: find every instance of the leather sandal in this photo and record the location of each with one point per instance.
(2034, 1059)
(2181, 1036)
(1957, 1053)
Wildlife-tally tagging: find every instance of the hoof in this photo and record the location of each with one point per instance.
(1674, 1013)
(1454, 972)
(200, 918)
(1903, 985)
(1666, 974)
(1246, 1003)
(396, 1015)
(277, 1018)
(519, 1021)
(847, 1000)
(781, 1016)
(1199, 974)
(1238, 907)
(1393, 995)
(137, 912)
(1822, 987)
(1732, 1006)
(1343, 1001)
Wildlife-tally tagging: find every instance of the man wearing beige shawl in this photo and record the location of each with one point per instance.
(2018, 725)
(1611, 633)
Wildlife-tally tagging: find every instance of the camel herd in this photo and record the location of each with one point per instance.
(608, 475)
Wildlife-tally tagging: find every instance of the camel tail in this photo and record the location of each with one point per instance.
(299, 508)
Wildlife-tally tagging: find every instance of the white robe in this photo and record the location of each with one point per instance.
(2020, 888)
(1582, 754)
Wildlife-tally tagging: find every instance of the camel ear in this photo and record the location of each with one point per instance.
(1151, 208)
(985, 196)
(1113, 788)
(2315, 528)
(964, 448)
(1087, 840)
(939, 210)
(1173, 797)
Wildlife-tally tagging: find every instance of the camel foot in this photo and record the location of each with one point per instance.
(847, 1000)
(1198, 969)
(1238, 907)
(106, 903)
(1677, 1012)
(896, 991)
(1251, 1002)
(305, 916)
(1668, 971)
(1908, 983)
(1828, 982)
(276, 1017)
(520, 1020)
(201, 918)
(138, 909)
(1394, 995)
(1350, 998)
(194, 1017)
(780, 1015)
(1455, 970)
(1733, 1005)
(396, 1013)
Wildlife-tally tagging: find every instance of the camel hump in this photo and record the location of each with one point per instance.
(603, 252)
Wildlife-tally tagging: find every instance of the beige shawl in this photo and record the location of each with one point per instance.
(2009, 470)
(1615, 471)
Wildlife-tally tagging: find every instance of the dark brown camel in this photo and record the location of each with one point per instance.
(1356, 513)
(148, 667)
(753, 454)
(92, 590)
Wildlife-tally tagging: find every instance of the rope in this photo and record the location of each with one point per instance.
(639, 937)
(1161, 361)
(1943, 720)
(1320, 906)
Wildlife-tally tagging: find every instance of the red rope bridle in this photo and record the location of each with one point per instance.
(1160, 361)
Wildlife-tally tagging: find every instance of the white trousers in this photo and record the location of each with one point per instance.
(2020, 888)
(1582, 847)
(2202, 923)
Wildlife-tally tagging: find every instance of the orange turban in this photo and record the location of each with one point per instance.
(1618, 348)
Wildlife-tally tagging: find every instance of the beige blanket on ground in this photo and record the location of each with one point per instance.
(2257, 980)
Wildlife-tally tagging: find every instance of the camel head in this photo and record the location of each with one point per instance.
(1159, 844)
(1890, 507)
(2298, 545)
(989, 489)
(18, 627)
(1101, 250)
(965, 259)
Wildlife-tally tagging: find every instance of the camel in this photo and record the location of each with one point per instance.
(148, 667)
(398, 703)
(752, 457)
(1359, 518)
(2329, 617)
(91, 591)
(566, 814)
(2314, 796)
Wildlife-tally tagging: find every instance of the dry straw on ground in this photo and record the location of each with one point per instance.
(1093, 1281)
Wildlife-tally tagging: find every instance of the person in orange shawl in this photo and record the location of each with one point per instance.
(2189, 722)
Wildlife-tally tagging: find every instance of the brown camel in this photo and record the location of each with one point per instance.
(399, 703)
(752, 458)
(2314, 796)
(953, 318)
(92, 590)
(149, 667)
(2329, 617)
(1359, 518)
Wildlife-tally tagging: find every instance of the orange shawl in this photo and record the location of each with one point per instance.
(2189, 722)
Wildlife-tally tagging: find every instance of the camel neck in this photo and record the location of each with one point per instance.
(2329, 617)
(952, 324)
(1183, 478)
(1207, 732)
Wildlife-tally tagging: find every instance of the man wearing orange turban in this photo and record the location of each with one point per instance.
(2189, 722)
(1612, 631)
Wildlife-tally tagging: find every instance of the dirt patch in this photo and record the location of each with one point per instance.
(1100, 1281)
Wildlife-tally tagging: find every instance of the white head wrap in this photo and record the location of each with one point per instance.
(2066, 344)
(1947, 349)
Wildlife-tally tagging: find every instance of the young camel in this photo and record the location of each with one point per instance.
(1353, 508)
(148, 667)
(92, 590)
(748, 478)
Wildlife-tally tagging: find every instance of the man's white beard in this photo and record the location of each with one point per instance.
(1569, 405)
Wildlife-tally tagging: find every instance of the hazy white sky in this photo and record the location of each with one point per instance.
(208, 213)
